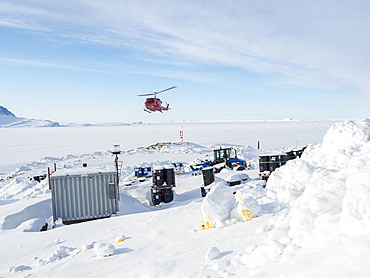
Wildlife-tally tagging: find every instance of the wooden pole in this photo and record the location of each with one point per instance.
(49, 177)
(116, 161)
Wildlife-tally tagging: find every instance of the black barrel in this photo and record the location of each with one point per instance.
(158, 175)
(208, 176)
(283, 159)
(156, 196)
(203, 191)
(169, 175)
(274, 162)
(167, 195)
(298, 153)
(295, 153)
(290, 155)
(264, 163)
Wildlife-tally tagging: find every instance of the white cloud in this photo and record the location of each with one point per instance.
(315, 43)
(45, 64)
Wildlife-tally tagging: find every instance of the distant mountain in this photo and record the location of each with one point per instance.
(5, 112)
(8, 119)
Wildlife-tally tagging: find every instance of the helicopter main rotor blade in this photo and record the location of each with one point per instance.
(155, 93)
(165, 90)
(146, 95)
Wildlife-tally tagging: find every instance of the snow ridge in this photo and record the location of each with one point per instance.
(326, 190)
(5, 112)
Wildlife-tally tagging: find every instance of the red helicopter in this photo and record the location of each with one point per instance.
(155, 104)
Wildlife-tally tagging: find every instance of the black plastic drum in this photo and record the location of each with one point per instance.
(298, 153)
(158, 175)
(264, 163)
(156, 196)
(274, 162)
(283, 159)
(203, 191)
(208, 176)
(290, 155)
(169, 175)
(167, 195)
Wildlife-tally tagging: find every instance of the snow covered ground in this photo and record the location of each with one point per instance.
(19, 146)
(313, 216)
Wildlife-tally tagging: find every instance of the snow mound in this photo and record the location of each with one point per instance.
(19, 268)
(104, 249)
(212, 253)
(225, 205)
(60, 253)
(32, 225)
(28, 218)
(328, 188)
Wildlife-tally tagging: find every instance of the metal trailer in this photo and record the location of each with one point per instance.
(82, 197)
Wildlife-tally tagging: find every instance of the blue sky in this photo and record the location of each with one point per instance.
(85, 61)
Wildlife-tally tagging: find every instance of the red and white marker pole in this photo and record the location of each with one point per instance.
(182, 134)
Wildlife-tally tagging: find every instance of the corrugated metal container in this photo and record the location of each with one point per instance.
(81, 197)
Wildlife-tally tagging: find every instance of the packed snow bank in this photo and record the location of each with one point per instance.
(225, 205)
(327, 190)
(33, 225)
(39, 210)
(314, 201)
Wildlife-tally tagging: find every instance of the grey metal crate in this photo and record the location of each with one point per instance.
(81, 197)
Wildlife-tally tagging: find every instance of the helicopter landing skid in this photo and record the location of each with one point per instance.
(146, 110)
